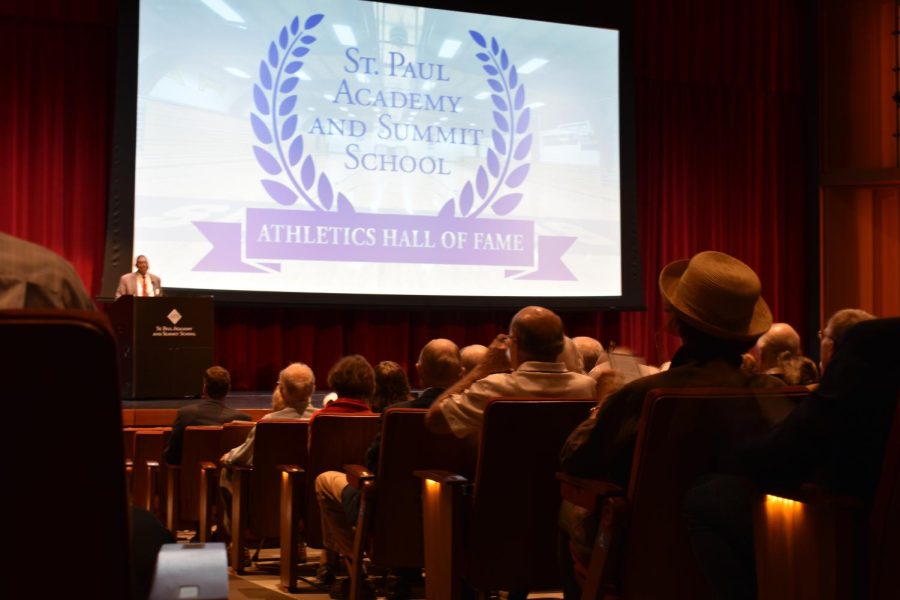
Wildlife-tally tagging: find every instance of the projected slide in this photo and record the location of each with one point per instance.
(340, 146)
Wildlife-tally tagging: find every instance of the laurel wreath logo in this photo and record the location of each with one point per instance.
(510, 120)
(275, 98)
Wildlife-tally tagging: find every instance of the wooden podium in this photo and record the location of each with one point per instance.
(165, 344)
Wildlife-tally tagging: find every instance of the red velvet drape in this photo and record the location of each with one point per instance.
(720, 99)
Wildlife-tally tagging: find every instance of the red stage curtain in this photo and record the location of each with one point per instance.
(720, 102)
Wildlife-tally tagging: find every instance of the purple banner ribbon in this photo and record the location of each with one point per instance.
(273, 234)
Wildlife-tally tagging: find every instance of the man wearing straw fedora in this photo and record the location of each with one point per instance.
(717, 310)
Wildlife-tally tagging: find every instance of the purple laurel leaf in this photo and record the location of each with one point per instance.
(343, 205)
(518, 175)
(523, 147)
(501, 122)
(465, 199)
(295, 153)
(326, 193)
(493, 162)
(287, 105)
(295, 25)
(308, 39)
(281, 193)
(520, 97)
(293, 67)
(289, 127)
(479, 39)
(260, 130)
(308, 172)
(499, 102)
(300, 51)
(283, 38)
(265, 75)
(483, 56)
(495, 47)
(288, 85)
(273, 54)
(266, 161)
(481, 182)
(506, 204)
(513, 77)
(490, 69)
(522, 124)
(499, 142)
(259, 98)
(504, 60)
(495, 85)
(313, 20)
(448, 210)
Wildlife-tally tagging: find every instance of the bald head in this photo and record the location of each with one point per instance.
(780, 338)
(439, 364)
(538, 334)
(590, 350)
(297, 384)
(837, 327)
(472, 355)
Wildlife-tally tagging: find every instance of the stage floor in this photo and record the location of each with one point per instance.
(238, 400)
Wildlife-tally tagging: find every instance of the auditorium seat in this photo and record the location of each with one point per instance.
(499, 531)
(201, 444)
(389, 527)
(148, 488)
(256, 490)
(816, 545)
(334, 441)
(642, 548)
(211, 510)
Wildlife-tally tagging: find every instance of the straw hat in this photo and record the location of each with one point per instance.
(717, 294)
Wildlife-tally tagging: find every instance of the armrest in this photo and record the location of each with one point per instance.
(441, 477)
(814, 494)
(587, 493)
(357, 475)
(293, 480)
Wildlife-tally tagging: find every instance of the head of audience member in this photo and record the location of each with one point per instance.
(835, 330)
(570, 356)
(716, 304)
(590, 350)
(472, 355)
(296, 384)
(352, 377)
(780, 338)
(391, 385)
(440, 364)
(536, 335)
(797, 369)
(216, 383)
(142, 264)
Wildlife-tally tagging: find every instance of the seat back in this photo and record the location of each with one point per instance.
(335, 440)
(407, 446)
(277, 442)
(201, 443)
(683, 434)
(149, 445)
(884, 522)
(233, 435)
(63, 363)
(513, 528)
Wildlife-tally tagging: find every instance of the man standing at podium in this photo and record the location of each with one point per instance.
(139, 283)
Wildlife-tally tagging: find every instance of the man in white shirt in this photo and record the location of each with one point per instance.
(139, 283)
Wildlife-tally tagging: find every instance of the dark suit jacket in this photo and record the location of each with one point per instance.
(206, 412)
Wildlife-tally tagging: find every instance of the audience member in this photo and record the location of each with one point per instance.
(209, 411)
(780, 338)
(717, 309)
(32, 276)
(353, 380)
(590, 350)
(836, 437)
(830, 337)
(797, 369)
(296, 384)
(472, 355)
(531, 349)
(140, 282)
(391, 385)
(438, 367)
(570, 356)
